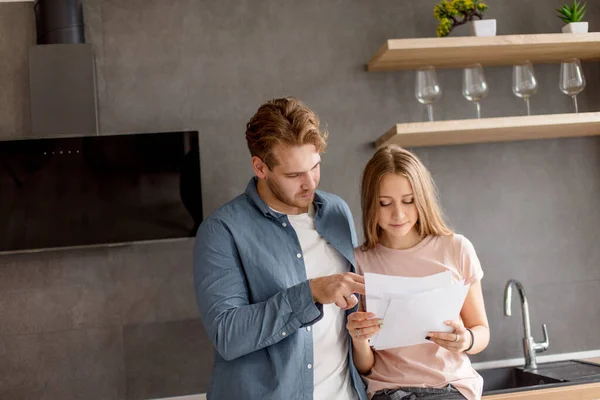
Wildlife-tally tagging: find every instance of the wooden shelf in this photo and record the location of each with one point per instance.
(441, 133)
(455, 52)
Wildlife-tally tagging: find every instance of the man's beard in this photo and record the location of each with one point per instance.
(292, 202)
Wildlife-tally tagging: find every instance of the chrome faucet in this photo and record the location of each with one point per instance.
(530, 347)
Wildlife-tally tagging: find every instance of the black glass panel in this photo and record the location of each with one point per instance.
(99, 190)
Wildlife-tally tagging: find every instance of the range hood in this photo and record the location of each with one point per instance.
(62, 75)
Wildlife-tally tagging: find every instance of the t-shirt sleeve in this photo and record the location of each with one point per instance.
(358, 261)
(469, 262)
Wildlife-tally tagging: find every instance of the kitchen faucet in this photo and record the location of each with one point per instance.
(530, 347)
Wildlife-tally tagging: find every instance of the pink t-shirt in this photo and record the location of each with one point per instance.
(424, 365)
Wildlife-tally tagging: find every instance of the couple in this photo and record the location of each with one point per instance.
(277, 275)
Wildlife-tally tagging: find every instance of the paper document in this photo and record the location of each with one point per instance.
(412, 307)
(379, 288)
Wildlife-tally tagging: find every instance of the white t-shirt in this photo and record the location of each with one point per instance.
(330, 341)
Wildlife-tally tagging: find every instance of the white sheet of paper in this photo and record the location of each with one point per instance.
(408, 319)
(380, 287)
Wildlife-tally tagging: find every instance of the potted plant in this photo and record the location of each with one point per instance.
(452, 13)
(572, 16)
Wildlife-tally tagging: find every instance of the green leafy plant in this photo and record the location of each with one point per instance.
(452, 13)
(572, 13)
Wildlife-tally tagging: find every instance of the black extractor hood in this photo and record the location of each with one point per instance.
(62, 75)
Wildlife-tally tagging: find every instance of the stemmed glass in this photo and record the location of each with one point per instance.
(475, 87)
(572, 81)
(427, 88)
(524, 82)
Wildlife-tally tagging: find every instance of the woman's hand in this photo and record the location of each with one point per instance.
(457, 341)
(363, 325)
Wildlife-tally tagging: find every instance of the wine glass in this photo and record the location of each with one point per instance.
(524, 82)
(475, 87)
(427, 88)
(572, 81)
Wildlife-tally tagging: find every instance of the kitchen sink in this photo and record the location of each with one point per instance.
(560, 373)
(572, 371)
(501, 379)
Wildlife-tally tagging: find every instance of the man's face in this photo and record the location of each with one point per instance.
(294, 179)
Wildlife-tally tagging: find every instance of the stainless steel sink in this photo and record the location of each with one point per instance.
(561, 373)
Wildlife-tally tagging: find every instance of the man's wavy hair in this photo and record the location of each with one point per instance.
(284, 121)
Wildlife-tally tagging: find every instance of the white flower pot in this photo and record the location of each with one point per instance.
(483, 27)
(576, 27)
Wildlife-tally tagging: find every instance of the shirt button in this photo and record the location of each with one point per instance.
(308, 328)
(309, 366)
(283, 333)
(284, 224)
(299, 255)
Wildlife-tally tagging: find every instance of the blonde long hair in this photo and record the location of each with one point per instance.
(393, 159)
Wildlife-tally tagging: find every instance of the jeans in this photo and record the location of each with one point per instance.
(413, 393)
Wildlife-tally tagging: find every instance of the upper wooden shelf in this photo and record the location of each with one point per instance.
(441, 133)
(455, 52)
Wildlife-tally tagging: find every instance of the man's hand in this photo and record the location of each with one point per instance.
(338, 289)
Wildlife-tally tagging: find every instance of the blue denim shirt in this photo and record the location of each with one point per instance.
(255, 300)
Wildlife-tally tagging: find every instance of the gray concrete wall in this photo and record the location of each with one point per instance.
(116, 323)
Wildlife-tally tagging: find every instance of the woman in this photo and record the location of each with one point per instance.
(405, 235)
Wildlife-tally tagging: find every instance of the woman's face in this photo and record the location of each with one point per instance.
(397, 213)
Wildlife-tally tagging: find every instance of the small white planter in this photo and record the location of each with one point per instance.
(576, 27)
(483, 27)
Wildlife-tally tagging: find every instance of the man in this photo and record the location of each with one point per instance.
(274, 271)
